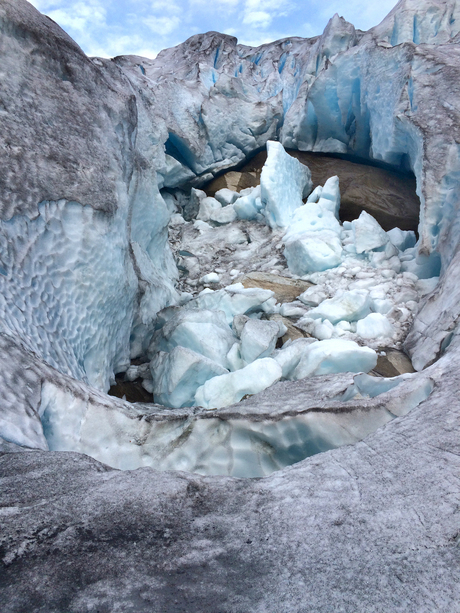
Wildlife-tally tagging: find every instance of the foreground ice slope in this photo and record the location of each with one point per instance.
(371, 522)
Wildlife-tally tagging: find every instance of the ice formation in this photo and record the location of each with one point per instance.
(88, 280)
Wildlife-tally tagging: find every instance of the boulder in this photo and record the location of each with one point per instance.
(284, 288)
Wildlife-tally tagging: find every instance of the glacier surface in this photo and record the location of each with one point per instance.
(101, 167)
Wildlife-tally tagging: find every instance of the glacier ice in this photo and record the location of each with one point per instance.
(284, 181)
(333, 356)
(203, 331)
(289, 355)
(226, 196)
(350, 306)
(233, 300)
(312, 240)
(258, 339)
(368, 233)
(323, 95)
(227, 389)
(178, 374)
(374, 325)
(106, 136)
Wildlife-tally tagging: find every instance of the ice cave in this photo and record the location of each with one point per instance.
(229, 321)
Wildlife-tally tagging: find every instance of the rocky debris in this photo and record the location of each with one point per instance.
(391, 363)
(284, 288)
(293, 332)
(132, 391)
(234, 180)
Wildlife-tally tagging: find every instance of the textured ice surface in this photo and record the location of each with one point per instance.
(224, 390)
(350, 306)
(56, 295)
(204, 331)
(178, 374)
(283, 183)
(333, 356)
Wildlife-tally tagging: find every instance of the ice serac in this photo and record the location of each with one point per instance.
(283, 183)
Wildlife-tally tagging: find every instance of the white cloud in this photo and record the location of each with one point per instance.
(261, 13)
(162, 25)
(259, 19)
(80, 15)
(165, 6)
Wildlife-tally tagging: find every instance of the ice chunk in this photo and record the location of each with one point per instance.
(375, 325)
(315, 195)
(249, 206)
(212, 210)
(258, 339)
(204, 331)
(313, 237)
(178, 374)
(350, 306)
(368, 234)
(233, 300)
(312, 296)
(330, 195)
(227, 389)
(313, 253)
(211, 277)
(292, 309)
(289, 356)
(333, 356)
(284, 182)
(226, 196)
(322, 330)
(402, 239)
(312, 218)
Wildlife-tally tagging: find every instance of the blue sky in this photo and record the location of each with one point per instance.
(115, 27)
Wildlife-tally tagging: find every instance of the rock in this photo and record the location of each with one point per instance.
(393, 363)
(233, 180)
(293, 332)
(284, 289)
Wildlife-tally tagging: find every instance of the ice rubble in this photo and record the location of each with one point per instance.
(372, 295)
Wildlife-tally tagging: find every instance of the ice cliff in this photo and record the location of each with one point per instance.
(94, 154)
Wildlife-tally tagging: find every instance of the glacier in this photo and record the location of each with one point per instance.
(112, 255)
